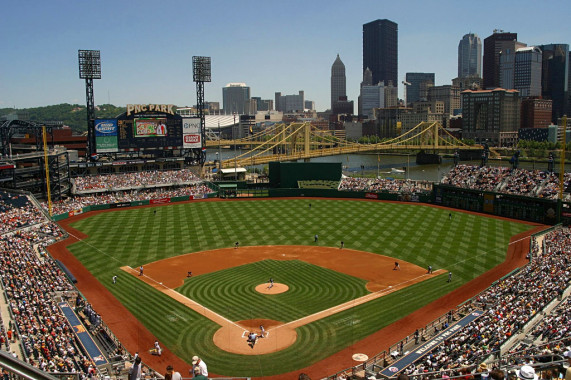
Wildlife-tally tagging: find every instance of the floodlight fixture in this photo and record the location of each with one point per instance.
(89, 64)
(201, 69)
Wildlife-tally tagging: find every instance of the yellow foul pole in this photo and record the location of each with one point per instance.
(562, 163)
(47, 169)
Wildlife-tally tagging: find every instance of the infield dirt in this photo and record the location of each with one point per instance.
(378, 270)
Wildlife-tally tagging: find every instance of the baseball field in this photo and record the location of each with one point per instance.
(330, 298)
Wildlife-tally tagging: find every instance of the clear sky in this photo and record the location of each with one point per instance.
(286, 46)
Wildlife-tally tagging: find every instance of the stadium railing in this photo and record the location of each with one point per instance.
(18, 369)
(430, 329)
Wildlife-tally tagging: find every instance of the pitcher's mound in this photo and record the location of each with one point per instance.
(276, 289)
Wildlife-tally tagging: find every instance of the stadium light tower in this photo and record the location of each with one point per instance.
(90, 69)
(201, 73)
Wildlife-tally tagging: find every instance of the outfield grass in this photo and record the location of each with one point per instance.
(468, 245)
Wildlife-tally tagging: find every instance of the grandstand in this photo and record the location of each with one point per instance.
(523, 318)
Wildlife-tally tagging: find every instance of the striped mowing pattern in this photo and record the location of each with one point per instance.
(468, 245)
(231, 293)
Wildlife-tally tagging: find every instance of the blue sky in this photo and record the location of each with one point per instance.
(286, 46)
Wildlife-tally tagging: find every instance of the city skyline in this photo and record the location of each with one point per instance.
(146, 50)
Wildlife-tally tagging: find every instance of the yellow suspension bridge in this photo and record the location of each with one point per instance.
(302, 141)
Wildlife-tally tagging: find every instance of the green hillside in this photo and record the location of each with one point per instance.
(73, 115)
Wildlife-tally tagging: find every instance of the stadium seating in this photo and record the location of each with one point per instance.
(531, 183)
(510, 305)
(376, 185)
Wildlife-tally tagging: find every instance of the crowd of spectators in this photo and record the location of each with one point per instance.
(556, 325)
(122, 181)
(550, 187)
(508, 307)
(485, 178)
(79, 201)
(532, 183)
(376, 185)
(31, 279)
(523, 182)
(16, 211)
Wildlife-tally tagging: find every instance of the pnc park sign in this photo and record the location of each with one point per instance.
(138, 108)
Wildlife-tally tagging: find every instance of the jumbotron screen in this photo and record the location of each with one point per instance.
(149, 133)
(146, 127)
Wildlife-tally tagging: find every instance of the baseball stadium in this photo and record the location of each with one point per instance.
(286, 281)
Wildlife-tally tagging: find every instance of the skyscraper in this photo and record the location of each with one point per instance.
(372, 96)
(470, 56)
(234, 98)
(413, 93)
(521, 70)
(493, 45)
(555, 77)
(290, 103)
(338, 81)
(380, 50)
(491, 115)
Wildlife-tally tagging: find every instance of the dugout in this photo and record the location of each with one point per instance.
(285, 175)
(228, 190)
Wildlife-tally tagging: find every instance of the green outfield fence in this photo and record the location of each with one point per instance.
(118, 205)
(546, 211)
(242, 191)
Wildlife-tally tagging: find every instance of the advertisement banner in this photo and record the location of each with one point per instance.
(119, 205)
(107, 144)
(424, 349)
(191, 133)
(76, 212)
(160, 201)
(372, 195)
(106, 136)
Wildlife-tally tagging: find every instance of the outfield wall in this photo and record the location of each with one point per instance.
(539, 210)
(332, 193)
(146, 202)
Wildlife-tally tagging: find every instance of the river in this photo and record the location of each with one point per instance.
(383, 165)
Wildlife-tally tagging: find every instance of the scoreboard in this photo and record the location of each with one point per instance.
(147, 128)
